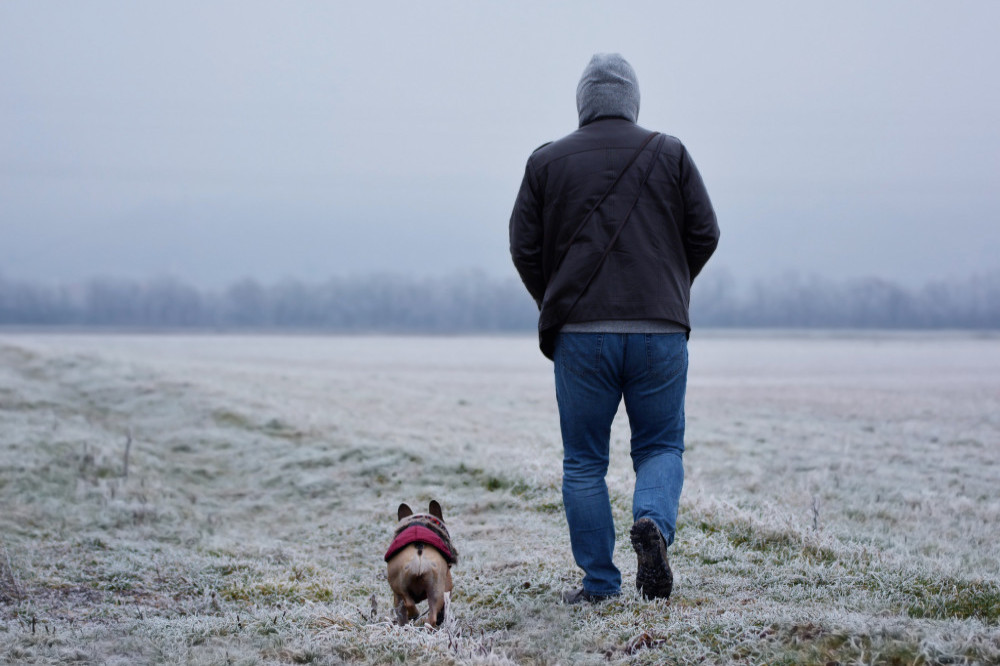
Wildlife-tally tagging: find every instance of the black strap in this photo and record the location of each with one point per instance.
(621, 226)
(604, 196)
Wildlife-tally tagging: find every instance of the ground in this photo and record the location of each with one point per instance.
(228, 499)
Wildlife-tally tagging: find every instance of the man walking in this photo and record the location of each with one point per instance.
(611, 225)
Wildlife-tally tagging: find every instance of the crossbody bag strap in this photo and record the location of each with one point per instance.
(621, 226)
(604, 196)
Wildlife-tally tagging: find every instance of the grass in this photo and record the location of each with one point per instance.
(848, 520)
(946, 598)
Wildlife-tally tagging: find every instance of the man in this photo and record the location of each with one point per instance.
(611, 225)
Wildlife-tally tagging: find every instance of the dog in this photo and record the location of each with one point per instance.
(419, 560)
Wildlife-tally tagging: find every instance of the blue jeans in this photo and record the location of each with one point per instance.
(594, 371)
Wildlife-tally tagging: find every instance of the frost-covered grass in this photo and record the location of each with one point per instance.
(841, 503)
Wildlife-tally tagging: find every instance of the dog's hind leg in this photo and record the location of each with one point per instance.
(399, 609)
(411, 608)
(435, 609)
(406, 609)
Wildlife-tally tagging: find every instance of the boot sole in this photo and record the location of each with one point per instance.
(654, 580)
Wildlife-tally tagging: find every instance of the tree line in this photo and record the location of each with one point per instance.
(474, 302)
(794, 301)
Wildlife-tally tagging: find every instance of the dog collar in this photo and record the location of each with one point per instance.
(428, 518)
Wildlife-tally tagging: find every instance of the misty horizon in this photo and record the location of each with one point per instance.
(474, 302)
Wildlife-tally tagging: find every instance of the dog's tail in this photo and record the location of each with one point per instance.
(422, 565)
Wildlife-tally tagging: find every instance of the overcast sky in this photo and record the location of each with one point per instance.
(216, 140)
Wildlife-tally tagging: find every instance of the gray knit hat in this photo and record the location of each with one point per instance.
(608, 88)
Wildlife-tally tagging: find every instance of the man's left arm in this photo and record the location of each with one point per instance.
(526, 236)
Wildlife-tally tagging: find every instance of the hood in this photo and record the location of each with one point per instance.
(607, 89)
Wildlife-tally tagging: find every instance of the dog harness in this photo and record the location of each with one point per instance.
(426, 529)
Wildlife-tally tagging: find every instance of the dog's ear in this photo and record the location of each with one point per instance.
(403, 511)
(435, 509)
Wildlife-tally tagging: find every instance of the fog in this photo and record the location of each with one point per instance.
(472, 302)
(212, 142)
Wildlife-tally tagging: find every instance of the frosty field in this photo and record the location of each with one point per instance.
(842, 501)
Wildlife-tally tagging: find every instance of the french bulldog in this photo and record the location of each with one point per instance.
(419, 560)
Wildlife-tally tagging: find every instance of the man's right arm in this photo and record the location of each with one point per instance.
(526, 236)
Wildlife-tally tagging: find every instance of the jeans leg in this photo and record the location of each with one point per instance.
(588, 392)
(654, 388)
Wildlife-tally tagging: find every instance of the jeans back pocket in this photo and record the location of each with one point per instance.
(579, 353)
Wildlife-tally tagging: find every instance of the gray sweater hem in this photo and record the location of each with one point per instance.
(624, 326)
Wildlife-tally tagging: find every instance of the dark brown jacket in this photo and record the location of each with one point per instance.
(670, 234)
